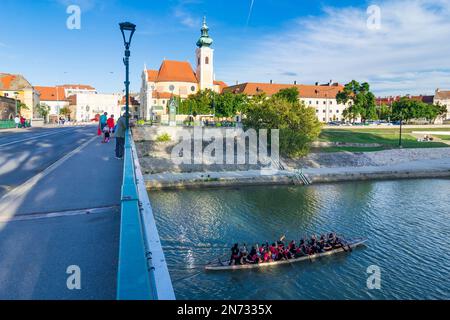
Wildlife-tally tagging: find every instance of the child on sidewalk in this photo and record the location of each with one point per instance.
(106, 131)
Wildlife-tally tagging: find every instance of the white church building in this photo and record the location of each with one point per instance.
(178, 78)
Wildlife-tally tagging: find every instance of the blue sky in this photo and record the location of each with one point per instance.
(279, 40)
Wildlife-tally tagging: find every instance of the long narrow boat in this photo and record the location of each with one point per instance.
(223, 265)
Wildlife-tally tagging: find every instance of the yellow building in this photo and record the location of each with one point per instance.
(15, 86)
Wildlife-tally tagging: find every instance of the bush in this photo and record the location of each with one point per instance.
(165, 137)
(140, 122)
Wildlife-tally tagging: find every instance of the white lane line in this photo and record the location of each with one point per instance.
(69, 213)
(10, 202)
(34, 137)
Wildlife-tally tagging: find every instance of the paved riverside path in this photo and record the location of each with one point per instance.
(60, 207)
(411, 169)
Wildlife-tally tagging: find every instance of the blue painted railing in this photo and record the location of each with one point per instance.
(133, 282)
(143, 272)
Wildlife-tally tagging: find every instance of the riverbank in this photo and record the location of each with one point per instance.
(437, 166)
(160, 172)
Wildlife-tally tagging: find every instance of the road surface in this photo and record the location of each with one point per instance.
(59, 208)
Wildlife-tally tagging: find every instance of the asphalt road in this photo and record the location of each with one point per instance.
(24, 153)
(59, 208)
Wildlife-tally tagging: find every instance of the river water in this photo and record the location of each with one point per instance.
(407, 223)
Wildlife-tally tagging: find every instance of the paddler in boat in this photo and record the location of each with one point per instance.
(273, 251)
(234, 254)
(253, 256)
(292, 247)
(243, 253)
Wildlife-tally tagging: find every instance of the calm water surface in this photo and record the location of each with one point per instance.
(407, 223)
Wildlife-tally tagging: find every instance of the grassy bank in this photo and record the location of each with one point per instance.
(387, 138)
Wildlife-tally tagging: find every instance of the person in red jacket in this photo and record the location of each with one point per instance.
(111, 123)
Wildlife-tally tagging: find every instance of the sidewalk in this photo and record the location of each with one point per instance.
(67, 215)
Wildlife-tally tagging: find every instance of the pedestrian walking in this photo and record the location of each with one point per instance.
(121, 128)
(102, 123)
(106, 132)
(22, 122)
(17, 121)
(111, 124)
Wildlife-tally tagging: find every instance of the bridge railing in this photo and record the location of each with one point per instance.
(142, 272)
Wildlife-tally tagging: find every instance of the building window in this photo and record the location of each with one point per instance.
(164, 102)
(324, 120)
(317, 110)
(207, 60)
(324, 111)
(154, 101)
(324, 102)
(310, 102)
(337, 111)
(193, 88)
(6, 95)
(317, 102)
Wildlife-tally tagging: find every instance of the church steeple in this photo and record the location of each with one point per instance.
(205, 40)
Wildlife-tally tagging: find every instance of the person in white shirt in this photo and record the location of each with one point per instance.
(17, 121)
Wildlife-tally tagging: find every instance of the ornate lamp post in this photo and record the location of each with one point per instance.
(127, 30)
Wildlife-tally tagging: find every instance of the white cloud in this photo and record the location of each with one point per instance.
(186, 18)
(409, 54)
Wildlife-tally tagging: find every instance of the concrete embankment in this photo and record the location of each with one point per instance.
(438, 168)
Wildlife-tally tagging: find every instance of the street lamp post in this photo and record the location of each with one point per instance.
(127, 30)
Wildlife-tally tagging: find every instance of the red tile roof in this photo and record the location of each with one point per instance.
(389, 100)
(176, 71)
(162, 95)
(222, 85)
(12, 82)
(152, 75)
(51, 93)
(132, 101)
(77, 86)
(305, 91)
(443, 94)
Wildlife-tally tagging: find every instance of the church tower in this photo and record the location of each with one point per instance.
(205, 59)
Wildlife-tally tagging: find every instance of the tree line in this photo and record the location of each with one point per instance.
(362, 104)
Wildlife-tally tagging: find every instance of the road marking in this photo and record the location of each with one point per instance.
(11, 201)
(68, 213)
(34, 137)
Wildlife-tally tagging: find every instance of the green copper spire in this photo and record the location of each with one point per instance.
(205, 40)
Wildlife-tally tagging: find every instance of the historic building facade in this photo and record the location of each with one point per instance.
(15, 86)
(443, 98)
(178, 78)
(320, 97)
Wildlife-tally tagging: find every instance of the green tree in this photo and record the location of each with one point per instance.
(227, 104)
(404, 109)
(43, 110)
(441, 111)
(362, 101)
(297, 123)
(384, 112)
(65, 111)
(21, 106)
(201, 102)
(289, 94)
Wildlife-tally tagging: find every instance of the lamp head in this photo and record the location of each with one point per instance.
(127, 29)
